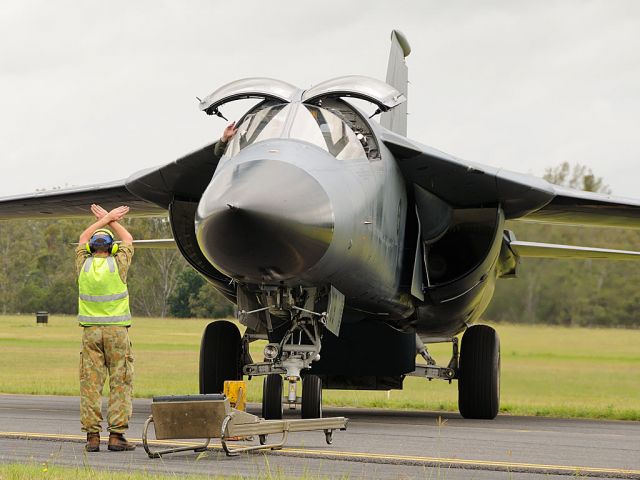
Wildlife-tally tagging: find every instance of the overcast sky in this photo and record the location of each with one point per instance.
(93, 91)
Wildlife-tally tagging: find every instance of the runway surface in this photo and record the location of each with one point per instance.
(377, 444)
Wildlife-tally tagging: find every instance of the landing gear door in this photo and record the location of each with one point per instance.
(417, 282)
(256, 322)
(334, 311)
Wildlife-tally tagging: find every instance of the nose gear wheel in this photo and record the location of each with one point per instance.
(272, 397)
(311, 396)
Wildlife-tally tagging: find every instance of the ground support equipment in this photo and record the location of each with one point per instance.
(210, 416)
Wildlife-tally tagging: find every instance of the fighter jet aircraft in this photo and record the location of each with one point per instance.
(344, 244)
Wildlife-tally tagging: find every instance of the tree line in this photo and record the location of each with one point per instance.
(572, 292)
(37, 272)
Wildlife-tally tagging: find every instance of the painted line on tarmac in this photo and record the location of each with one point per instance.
(470, 464)
(440, 462)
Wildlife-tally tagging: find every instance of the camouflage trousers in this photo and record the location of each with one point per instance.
(106, 350)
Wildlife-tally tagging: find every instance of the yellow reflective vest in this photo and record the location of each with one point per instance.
(104, 298)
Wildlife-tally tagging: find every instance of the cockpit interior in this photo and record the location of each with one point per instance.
(331, 124)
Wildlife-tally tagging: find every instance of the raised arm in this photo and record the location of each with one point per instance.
(119, 230)
(112, 216)
(227, 135)
(122, 233)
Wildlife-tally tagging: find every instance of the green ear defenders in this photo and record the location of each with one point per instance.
(102, 238)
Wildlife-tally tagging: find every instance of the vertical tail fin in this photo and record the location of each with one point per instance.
(398, 77)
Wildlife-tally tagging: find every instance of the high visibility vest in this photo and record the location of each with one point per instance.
(104, 298)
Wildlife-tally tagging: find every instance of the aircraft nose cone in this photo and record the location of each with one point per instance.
(264, 220)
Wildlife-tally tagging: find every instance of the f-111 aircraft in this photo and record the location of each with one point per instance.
(347, 246)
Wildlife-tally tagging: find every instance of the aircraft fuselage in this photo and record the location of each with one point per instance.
(285, 211)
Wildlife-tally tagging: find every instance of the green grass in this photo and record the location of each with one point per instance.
(49, 471)
(550, 371)
(54, 472)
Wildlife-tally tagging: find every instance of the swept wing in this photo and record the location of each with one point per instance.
(574, 207)
(148, 193)
(74, 202)
(464, 184)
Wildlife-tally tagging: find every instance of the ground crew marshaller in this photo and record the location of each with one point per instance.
(103, 312)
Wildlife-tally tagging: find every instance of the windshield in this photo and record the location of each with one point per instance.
(299, 121)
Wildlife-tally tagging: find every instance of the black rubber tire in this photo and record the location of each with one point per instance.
(220, 356)
(311, 396)
(272, 397)
(479, 374)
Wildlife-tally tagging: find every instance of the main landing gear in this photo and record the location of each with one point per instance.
(476, 367)
(479, 373)
(221, 353)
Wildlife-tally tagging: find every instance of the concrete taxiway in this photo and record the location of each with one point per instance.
(378, 444)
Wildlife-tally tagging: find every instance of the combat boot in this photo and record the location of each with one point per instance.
(93, 442)
(117, 443)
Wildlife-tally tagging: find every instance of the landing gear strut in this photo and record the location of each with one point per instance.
(297, 349)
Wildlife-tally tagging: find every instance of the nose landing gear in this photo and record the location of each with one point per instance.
(273, 401)
(299, 347)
